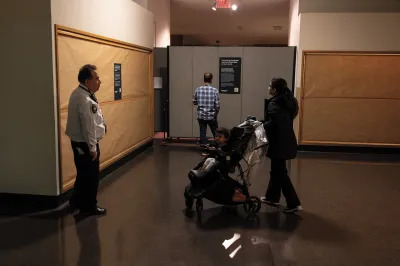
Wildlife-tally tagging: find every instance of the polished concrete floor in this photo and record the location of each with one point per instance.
(351, 217)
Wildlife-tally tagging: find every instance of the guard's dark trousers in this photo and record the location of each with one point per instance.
(280, 181)
(84, 196)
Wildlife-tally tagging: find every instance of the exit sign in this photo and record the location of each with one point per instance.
(223, 4)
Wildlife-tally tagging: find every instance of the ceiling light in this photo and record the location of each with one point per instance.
(234, 7)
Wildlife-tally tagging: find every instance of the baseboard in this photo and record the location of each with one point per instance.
(182, 140)
(18, 204)
(347, 149)
(114, 166)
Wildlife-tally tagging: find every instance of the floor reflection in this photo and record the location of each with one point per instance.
(348, 219)
(88, 235)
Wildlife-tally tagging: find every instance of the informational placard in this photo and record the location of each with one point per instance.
(229, 74)
(117, 82)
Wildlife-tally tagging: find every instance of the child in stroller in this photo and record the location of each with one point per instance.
(210, 179)
(221, 137)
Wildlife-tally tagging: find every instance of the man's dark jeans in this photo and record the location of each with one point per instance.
(213, 124)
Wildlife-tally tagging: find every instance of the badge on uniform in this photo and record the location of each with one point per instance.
(94, 108)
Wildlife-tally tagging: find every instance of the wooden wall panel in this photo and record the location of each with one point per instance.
(350, 99)
(352, 75)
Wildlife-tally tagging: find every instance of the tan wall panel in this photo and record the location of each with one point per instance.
(129, 125)
(352, 121)
(352, 75)
(127, 122)
(74, 53)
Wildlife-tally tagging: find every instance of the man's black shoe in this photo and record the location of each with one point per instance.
(95, 211)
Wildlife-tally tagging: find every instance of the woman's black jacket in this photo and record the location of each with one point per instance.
(279, 113)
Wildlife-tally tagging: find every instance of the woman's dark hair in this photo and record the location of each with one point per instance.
(86, 73)
(223, 131)
(280, 85)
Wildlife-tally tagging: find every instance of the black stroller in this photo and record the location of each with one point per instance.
(214, 183)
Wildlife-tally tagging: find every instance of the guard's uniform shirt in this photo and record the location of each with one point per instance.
(85, 120)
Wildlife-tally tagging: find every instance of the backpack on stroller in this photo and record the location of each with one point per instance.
(211, 178)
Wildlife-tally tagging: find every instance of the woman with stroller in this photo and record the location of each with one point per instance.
(280, 112)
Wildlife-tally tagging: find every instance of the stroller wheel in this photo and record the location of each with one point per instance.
(188, 198)
(188, 201)
(199, 206)
(252, 205)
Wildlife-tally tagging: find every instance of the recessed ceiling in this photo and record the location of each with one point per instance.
(255, 22)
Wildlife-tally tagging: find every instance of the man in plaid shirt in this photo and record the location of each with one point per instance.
(207, 100)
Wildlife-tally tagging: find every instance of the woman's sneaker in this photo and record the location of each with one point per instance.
(264, 200)
(293, 209)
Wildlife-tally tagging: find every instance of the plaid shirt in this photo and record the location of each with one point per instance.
(207, 100)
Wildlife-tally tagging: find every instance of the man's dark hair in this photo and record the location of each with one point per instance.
(223, 131)
(85, 73)
(208, 77)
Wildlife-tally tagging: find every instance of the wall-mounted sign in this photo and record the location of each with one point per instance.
(117, 82)
(230, 69)
(157, 81)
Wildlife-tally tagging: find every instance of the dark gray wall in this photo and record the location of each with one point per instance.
(160, 60)
(160, 94)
